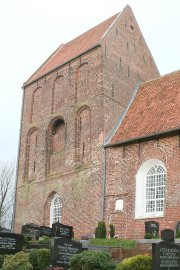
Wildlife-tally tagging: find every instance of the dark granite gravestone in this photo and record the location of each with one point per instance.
(62, 249)
(45, 231)
(167, 235)
(4, 229)
(151, 227)
(11, 243)
(165, 256)
(31, 231)
(61, 230)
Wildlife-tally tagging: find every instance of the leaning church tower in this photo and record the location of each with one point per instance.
(71, 104)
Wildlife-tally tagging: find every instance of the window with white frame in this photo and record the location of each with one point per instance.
(155, 189)
(150, 189)
(56, 210)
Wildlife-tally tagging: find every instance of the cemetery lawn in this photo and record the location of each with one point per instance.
(123, 243)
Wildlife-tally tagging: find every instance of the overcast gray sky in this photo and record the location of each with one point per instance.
(30, 30)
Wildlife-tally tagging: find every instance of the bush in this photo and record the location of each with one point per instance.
(139, 262)
(19, 261)
(100, 231)
(90, 260)
(148, 236)
(178, 234)
(1, 260)
(33, 254)
(43, 258)
(39, 258)
(112, 231)
(44, 240)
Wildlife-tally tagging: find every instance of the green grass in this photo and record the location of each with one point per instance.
(123, 243)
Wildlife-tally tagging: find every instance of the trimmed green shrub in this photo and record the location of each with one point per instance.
(178, 234)
(148, 236)
(100, 231)
(33, 254)
(112, 231)
(43, 258)
(90, 260)
(44, 240)
(1, 260)
(19, 261)
(139, 262)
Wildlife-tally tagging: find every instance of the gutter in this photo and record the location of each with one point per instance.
(146, 138)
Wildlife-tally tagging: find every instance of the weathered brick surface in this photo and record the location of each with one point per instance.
(87, 95)
(122, 165)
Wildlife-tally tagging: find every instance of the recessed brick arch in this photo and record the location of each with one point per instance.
(56, 142)
(36, 104)
(58, 93)
(83, 135)
(82, 81)
(30, 156)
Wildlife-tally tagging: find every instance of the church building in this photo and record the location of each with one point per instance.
(99, 135)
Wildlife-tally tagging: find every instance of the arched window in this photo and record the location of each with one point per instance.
(150, 189)
(56, 210)
(155, 189)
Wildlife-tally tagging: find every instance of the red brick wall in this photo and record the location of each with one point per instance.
(58, 170)
(122, 165)
(124, 65)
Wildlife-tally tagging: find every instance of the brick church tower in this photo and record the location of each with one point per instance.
(71, 104)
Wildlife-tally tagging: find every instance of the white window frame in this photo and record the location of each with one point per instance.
(52, 207)
(140, 198)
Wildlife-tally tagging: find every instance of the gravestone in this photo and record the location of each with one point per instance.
(151, 227)
(11, 243)
(4, 229)
(61, 230)
(45, 231)
(167, 235)
(165, 256)
(31, 231)
(62, 249)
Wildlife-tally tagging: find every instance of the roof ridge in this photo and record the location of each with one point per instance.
(161, 77)
(109, 28)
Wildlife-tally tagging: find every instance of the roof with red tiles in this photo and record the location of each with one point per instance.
(154, 110)
(73, 48)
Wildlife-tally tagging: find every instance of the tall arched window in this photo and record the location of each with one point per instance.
(56, 210)
(150, 189)
(155, 189)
